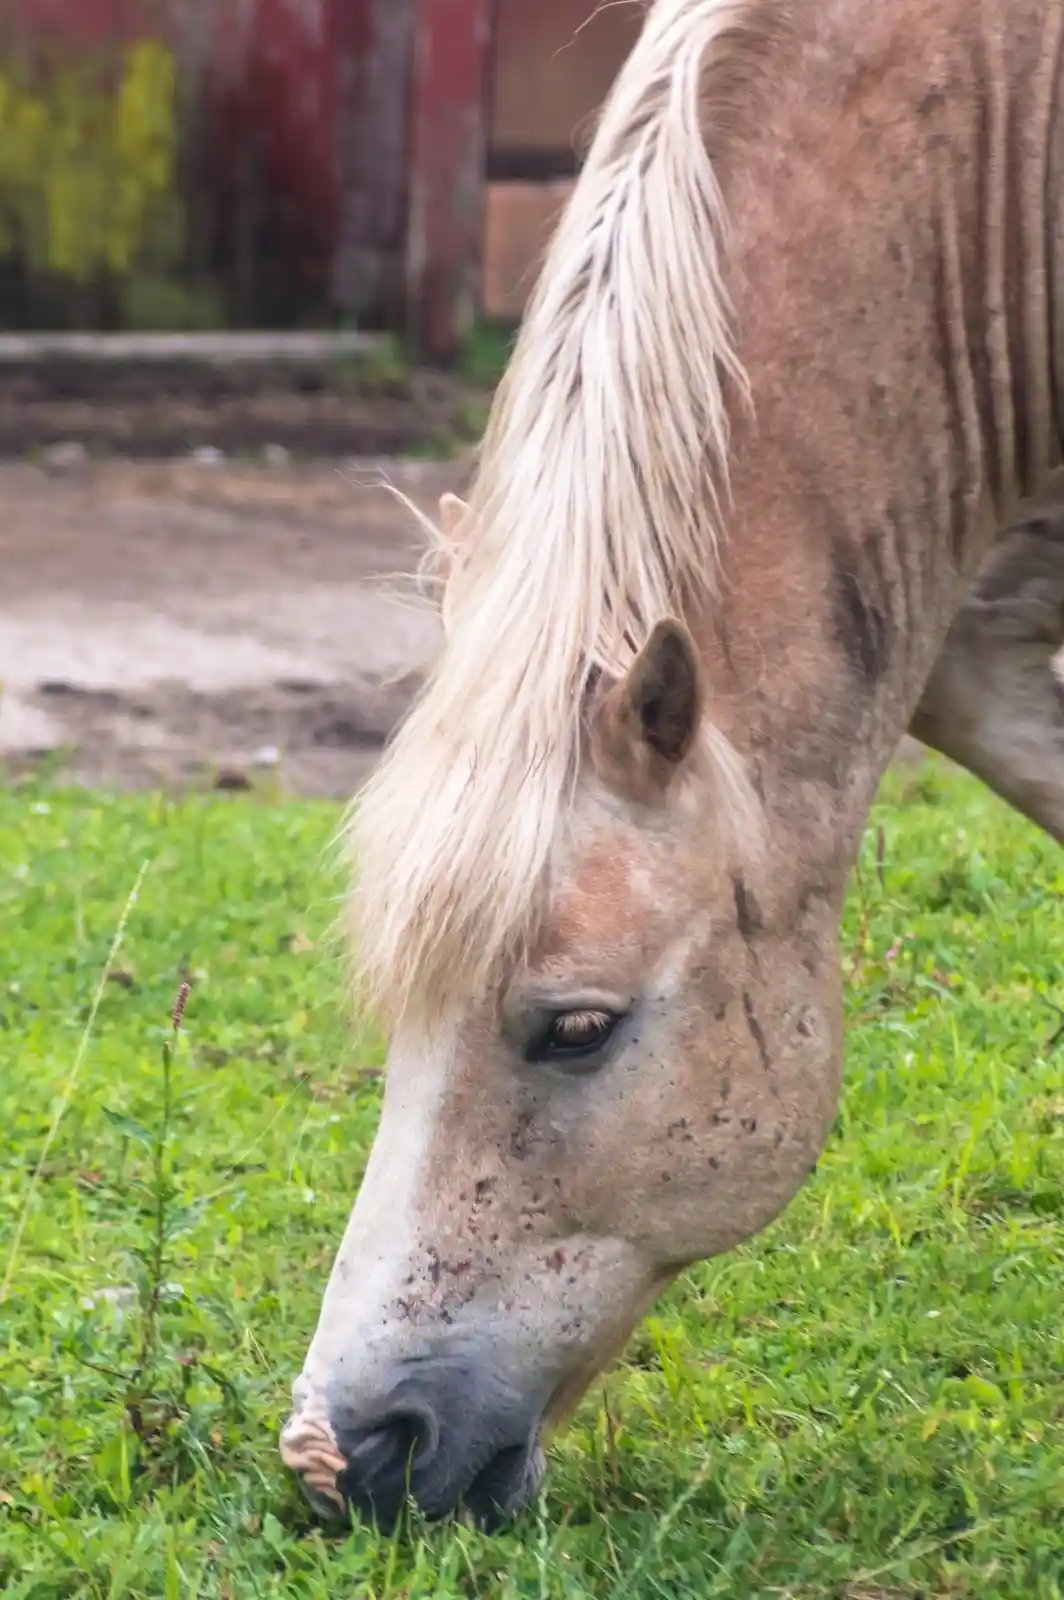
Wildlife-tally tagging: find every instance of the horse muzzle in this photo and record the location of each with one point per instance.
(443, 1441)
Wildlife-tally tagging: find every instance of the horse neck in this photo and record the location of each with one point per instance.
(890, 274)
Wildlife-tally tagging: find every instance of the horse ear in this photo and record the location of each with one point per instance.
(645, 726)
(453, 518)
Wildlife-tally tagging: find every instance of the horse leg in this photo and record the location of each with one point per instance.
(995, 700)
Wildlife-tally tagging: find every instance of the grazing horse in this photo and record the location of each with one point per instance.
(788, 378)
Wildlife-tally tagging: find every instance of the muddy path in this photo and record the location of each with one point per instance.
(210, 622)
(188, 622)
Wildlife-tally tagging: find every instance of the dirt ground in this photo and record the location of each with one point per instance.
(205, 621)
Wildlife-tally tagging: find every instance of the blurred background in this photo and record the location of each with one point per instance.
(202, 164)
(256, 256)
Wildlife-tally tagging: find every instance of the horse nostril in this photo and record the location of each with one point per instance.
(385, 1456)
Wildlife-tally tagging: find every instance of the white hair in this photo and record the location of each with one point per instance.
(595, 511)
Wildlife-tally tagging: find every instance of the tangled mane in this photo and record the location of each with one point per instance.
(595, 512)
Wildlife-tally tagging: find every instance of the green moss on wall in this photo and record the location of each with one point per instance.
(88, 163)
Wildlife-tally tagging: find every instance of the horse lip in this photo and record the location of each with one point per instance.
(499, 1489)
(326, 1504)
(308, 1448)
(505, 1484)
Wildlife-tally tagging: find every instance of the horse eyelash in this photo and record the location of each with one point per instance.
(572, 1021)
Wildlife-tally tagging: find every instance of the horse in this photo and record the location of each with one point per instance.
(754, 498)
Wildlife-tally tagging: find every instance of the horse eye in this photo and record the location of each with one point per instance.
(570, 1035)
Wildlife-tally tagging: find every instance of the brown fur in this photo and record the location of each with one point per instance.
(643, 728)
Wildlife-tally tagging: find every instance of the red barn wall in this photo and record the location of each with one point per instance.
(77, 23)
(298, 136)
(272, 95)
(259, 88)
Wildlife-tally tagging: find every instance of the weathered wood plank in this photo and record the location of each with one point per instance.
(449, 119)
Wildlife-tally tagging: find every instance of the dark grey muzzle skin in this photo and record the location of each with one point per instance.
(445, 1436)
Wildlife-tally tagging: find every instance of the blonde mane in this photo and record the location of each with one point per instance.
(595, 512)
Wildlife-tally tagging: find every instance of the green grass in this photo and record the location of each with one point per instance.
(867, 1401)
(486, 353)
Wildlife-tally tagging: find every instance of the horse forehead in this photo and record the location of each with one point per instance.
(607, 894)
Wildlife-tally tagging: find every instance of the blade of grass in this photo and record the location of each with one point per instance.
(71, 1083)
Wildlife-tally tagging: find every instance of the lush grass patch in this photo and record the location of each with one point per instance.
(868, 1401)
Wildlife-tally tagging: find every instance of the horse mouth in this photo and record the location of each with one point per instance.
(505, 1485)
(498, 1491)
(308, 1448)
